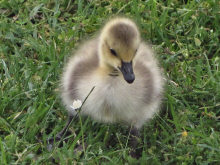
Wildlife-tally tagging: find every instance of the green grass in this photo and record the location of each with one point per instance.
(35, 40)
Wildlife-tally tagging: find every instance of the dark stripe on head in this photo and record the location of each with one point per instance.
(124, 32)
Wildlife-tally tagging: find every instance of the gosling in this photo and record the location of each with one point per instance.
(125, 73)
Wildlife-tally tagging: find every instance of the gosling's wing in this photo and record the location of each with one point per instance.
(149, 72)
(82, 63)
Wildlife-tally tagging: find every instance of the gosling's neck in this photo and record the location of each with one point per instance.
(107, 70)
(114, 73)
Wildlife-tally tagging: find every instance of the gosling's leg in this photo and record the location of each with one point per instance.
(59, 135)
(134, 141)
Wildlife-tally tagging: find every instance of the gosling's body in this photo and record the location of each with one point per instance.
(114, 99)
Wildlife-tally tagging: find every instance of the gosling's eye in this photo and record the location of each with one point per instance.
(113, 52)
(135, 51)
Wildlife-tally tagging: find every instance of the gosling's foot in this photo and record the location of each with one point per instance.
(134, 141)
(59, 138)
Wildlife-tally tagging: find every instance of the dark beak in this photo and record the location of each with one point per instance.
(127, 71)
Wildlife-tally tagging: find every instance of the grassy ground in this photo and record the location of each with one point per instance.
(35, 39)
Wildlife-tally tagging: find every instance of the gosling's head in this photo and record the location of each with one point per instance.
(119, 42)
